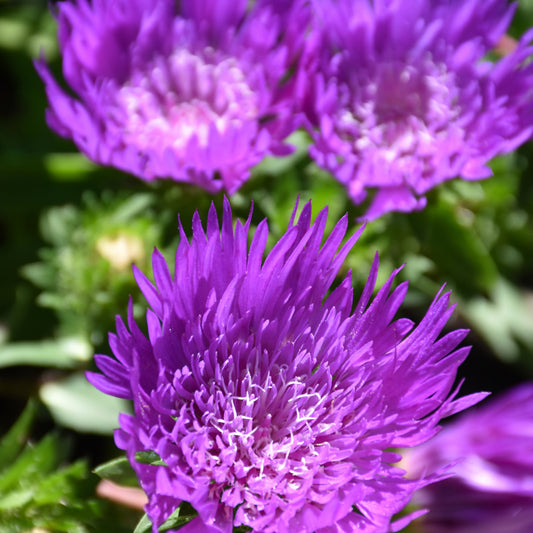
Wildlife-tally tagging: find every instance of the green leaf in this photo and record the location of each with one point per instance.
(144, 525)
(75, 403)
(31, 463)
(460, 254)
(16, 437)
(34, 494)
(149, 457)
(175, 520)
(280, 165)
(58, 485)
(131, 208)
(63, 353)
(119, 471)
(13, 33)
(68, 166)
(504, 320)
(16, 498)
(40, 274)
(57, 223)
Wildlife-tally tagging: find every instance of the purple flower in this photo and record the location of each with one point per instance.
(404, 99)
(273, 402)
(492, 487)
(198, 93)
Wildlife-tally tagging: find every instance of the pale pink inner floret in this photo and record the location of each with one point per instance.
(401, 111)
(183, 97)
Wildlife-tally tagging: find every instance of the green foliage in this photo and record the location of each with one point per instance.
(66, 352)
(183, 514)
(149, 458)
(72, 229)
(85, 273)
(504, 319)
(119, 471)
(75, 403)
(37, 490)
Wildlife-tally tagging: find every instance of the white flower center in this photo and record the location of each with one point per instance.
(401, 111)
(183, 98)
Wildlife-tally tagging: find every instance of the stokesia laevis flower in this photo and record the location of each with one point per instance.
(273, 402)
(404, 100)
(198, 93)
(492, 487)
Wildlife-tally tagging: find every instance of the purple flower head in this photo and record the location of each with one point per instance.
(198, 93)
(492, 487)
(273, 401)
(404, 99)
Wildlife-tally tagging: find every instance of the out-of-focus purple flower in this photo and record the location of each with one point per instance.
(492, 487)
(274, 402)
(198, 93)
(404, 99)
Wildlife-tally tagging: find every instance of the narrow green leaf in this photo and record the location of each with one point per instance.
(178, 518)
(175, 520)
(33, 461)
(12, 443)
(119, 471)
(149, 457)
(16, 499)
(144, 525)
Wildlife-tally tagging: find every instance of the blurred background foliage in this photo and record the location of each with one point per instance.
(69, 232)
